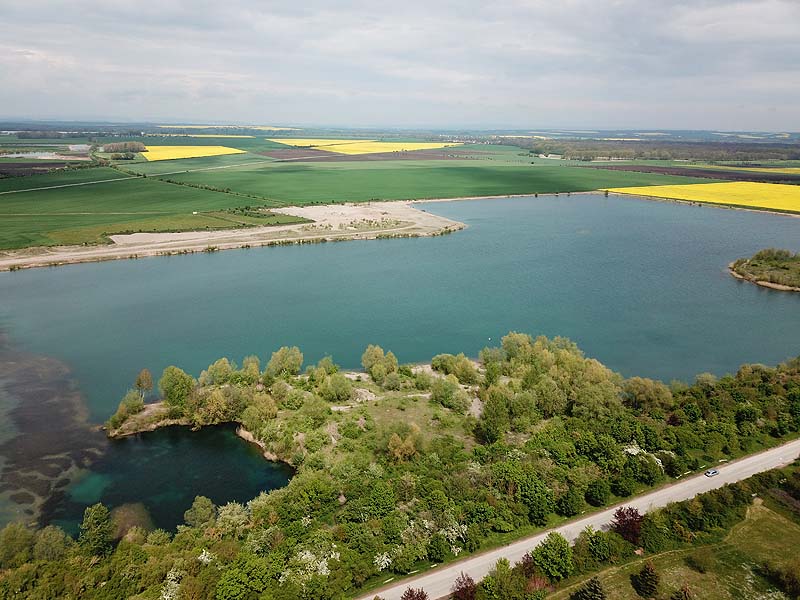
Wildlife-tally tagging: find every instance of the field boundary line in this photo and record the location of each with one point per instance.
(64, 185)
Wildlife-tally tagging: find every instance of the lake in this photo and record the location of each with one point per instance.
(640, 285)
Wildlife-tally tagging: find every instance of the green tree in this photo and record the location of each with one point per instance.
(495, 419)
(371, 357)
(591, 590)
(597, 492)
(251, 369)
(144, 382)
(554, 557)
(201, 513)
(646, 581)
(382, 500)
(218, 372)
(538, 499)
(175, 386)
(336, 388)
(570, 503)
(96, 530)
(654, 534)
(550, 398)
(285, 362)
(16, 542)
(51, 544)
(646, 395)
(438, 548)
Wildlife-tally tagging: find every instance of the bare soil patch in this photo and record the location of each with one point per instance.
(15, 169)
(699, 172)
(295, 153)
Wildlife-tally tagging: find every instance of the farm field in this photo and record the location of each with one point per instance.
(84, 206)
(56, 178)
(305, 183)
(745, 194)
(764, 169)
(764, 535)
(85, 214)
(155, 153)
(353, 146)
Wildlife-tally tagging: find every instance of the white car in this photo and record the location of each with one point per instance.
(711, 473)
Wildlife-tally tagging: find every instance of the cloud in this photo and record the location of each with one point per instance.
(711, 64)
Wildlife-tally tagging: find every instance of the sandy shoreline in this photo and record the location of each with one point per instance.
(335, 222)
(331, 223)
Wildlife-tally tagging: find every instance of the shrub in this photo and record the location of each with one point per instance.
(598, 492)
(446, 391)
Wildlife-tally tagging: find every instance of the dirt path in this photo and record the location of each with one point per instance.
(330, 223)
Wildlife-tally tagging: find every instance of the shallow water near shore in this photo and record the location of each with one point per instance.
(640, 285)
(163, 470)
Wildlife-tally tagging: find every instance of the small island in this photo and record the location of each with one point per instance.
(772, 268)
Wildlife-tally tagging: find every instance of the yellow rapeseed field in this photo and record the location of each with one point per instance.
(315, 142)
(770, 196)
(172, 152)
(360, 146)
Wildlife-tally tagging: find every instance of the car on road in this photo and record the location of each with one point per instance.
(711, 473)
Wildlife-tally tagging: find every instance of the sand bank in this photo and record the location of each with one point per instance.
(334, 222)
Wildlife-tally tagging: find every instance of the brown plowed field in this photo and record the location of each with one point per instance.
(699, 172)
(28, 167)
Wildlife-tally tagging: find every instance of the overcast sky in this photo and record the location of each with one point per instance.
(699, 64)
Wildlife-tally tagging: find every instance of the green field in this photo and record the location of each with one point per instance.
(86, 213)
(83, 206)
(306, 183)
(56, 178)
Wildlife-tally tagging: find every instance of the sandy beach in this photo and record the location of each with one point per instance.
(334, 222)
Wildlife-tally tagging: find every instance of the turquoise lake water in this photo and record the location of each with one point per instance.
(164, 470)
(640, 285)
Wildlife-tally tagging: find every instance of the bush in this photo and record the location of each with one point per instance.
(392, 381)
(598, 492)
(336, 388)
(448, 393)
(131, 404)
(460, 366)
(622, 486)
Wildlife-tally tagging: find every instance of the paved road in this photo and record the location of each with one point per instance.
(437, 582)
